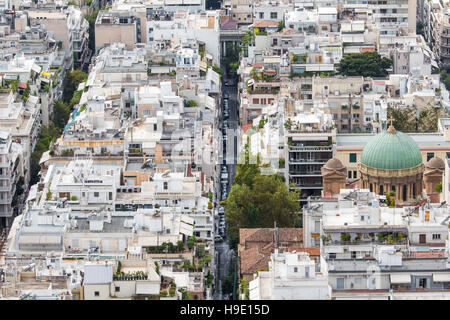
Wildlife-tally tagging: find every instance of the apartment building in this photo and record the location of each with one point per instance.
(114, 26)
(291, 276)
(344, 96)
(116, 65)
(271, 10)
(240, 10)
(70, 28)
(23, 123)
(165, 27)
(310, 144)
(11, 169)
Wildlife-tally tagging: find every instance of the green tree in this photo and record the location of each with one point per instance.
(191, 242)
(259, 203)
(227, 284)
(73, 79)
(280, 25)
(46, 136)
(367, 64)
(61, 114)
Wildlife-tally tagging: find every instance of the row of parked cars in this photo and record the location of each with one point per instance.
(224, 170)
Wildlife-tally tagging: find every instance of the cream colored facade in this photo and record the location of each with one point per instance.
(107, 31)
(344, 98)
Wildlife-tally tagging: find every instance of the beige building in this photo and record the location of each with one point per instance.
(344, 97)
(115, 27)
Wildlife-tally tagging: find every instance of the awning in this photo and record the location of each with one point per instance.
(400, 278)
(36, 68)
(441, 277)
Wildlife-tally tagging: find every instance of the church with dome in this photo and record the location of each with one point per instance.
(390, 162)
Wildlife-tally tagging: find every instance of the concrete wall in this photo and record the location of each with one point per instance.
(102, 289)
(108, 33)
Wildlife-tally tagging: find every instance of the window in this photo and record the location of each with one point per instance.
(362, 218)
(436, 236)
(317, 226)
(352, 157)
(306, 272)
(430, 155)
(273, 15)
(340, 283)
(117, 289)
(166, 185)
(97, 293)
(295, 269)
(349, 174)
(155, 127)
(261, 15)
(96, 194)
(110, 196)
(332, 256)
(422, 282)
(354, 174)
(275, 42)
(353, 254)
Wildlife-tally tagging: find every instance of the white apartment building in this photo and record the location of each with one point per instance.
(11, 169)
(203, 27)
(291, 276)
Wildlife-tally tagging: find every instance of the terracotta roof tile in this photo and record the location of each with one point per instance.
(265, 24)
(262, 243)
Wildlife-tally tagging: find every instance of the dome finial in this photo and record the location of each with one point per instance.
(391, 128)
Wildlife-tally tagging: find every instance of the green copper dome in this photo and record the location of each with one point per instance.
(391, 150)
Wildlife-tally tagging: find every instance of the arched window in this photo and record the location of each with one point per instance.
(381, 190)
(404, 192)
(371, 188)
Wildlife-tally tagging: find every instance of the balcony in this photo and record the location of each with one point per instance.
(308, 186)
(365, 243)
(310, 148)
(305, 173)
(308, 160)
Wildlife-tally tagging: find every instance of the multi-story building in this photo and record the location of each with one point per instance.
(114, 26)
(70, 29)
(291, 276)
(310, 144)
(11, 169)
(240, 10)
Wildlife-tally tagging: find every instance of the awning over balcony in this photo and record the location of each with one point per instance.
(441, 277)
(400, 278)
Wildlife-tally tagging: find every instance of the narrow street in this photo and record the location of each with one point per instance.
(224, 254)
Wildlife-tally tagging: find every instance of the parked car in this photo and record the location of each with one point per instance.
(229, 82)
(225, 95)
(221, 210)
(218, 239)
